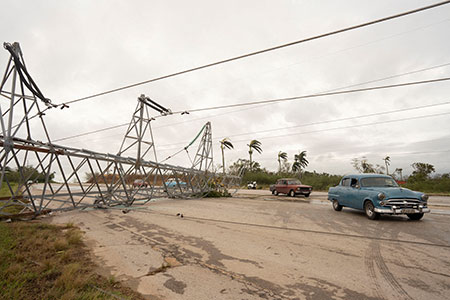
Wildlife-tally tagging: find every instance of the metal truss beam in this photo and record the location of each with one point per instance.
(133, 175)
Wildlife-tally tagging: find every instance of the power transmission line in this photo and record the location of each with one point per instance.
(265, 50)
(342, 119)
(329, 121)
(272, 101)
(91, 132)
(380, 87)
(330, 129)
(354, 126)
(271, 70)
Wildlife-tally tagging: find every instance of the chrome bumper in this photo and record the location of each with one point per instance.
(399, 211)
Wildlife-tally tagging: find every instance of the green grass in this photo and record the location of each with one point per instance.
(41, 261)
(438, 185)
(6, 192)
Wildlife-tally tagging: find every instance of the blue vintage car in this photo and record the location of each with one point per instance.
(377, 194)
(172, 183)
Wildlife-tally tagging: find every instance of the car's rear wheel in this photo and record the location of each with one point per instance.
(291, 193)
(337, 206)
(370, 210)
(415, 217)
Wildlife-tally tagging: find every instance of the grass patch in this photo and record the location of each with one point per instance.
(439, 185)
(42, 261)
(5, 192)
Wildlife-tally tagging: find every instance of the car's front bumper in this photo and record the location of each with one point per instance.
(400, 211)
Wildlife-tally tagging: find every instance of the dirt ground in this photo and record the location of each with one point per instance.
(259, 246)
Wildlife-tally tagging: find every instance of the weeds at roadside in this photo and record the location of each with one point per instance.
(42, 261)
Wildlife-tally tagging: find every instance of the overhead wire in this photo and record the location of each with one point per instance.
(380, 87)
(329, 121)
(348, 86)
(354, 126)
(329, 129)
(264, 50)
(342, 119)
(275, 69)
(265, 102)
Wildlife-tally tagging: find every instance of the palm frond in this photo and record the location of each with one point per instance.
(255, 144)
(301, 159)
(296, 166)
(282, 155)
(226, 143)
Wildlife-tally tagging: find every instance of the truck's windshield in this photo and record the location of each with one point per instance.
(378, 182)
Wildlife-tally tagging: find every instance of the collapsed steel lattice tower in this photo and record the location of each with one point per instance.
(133, 174)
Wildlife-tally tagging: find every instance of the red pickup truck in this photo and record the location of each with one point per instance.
(291, 187)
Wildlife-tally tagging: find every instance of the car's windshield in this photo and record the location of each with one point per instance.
(294, 182)
(378, 182)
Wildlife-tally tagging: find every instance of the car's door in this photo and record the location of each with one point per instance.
(343, 190)
(283, 186)
(354, 194)
(278, 186)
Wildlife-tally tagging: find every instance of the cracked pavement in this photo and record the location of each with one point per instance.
(257, 246)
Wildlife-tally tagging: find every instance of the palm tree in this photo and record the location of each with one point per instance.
(254, 145)
(225, 143)
(300, 162)
(296, 167)
(387, 161)
(281, 156)
(400, 170)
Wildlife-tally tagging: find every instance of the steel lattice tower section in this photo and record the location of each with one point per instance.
(49, 176)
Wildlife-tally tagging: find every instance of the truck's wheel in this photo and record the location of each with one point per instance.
(306, 195)
(415, 217)
(370, 210)
(275, 192)
(291, 193)
(337, 206)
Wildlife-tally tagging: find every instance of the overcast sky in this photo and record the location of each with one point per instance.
(78, 48)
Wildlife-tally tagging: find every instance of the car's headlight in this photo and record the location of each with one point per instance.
(381, 196)
(424, 197)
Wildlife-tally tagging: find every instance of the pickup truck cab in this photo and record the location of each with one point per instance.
(291, 187)
(377, 194)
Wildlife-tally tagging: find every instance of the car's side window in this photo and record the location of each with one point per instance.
(346, 182)
(354, 182)
(285, 182)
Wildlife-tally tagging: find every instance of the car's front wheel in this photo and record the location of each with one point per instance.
(291, 193)
(275, 192)
(415, 217)
(306, 195)
(337, 206)
(370, 210)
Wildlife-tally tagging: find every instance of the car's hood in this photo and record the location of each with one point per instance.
(395, 192)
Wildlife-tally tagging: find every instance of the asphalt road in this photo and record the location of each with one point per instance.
(258, 246)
